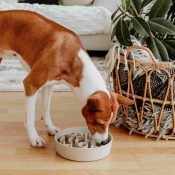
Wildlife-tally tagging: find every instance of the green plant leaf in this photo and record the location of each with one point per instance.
(146, 2)
(170, 46)
(113, 15)
(137, 5)
(132, 31)
(125, 4)
(129, 24)
(162, 25)
(158, 49)
(170, 42)
(141, 26)
(131, 11)
(122, 33)
(115, 21)
(160, 8)
(117, 18)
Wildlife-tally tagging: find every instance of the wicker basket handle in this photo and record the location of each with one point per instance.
(157, 64)
(129, 49)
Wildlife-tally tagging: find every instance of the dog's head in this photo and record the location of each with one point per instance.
(101, 110)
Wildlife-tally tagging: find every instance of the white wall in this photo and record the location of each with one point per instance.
(109, 4)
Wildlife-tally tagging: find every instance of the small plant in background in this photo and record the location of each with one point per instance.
(150, 21)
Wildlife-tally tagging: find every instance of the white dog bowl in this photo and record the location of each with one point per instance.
(81, 154)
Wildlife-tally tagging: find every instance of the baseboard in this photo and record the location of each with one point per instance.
(97, 53)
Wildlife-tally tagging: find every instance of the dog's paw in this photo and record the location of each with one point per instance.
(37, 142)
(52, 130)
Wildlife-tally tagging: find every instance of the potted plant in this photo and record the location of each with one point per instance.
(150, 21)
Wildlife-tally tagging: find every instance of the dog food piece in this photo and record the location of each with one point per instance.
(79, 140)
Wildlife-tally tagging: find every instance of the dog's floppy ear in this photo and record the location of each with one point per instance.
(114, 106)
(85, 111)
(124, 100)
(116, 100)
(93, 104)
(91, 107)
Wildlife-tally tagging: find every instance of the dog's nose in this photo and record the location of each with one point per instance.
(104, 142)
(101, 137)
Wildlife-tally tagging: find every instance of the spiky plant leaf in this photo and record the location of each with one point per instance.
(125, 4)
(122, 33)
(162, 25)
(160, 8)
(158, 49)
(141, 26)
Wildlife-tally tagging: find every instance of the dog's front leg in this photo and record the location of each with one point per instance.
(34, 138)
(46, 99)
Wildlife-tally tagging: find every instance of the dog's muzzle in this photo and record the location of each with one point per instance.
(100, 138)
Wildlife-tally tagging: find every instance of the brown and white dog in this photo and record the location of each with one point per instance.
(53, 54)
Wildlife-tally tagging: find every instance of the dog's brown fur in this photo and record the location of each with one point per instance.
(97, 112)
(47, 47)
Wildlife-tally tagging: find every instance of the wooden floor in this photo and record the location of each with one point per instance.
(129, 155)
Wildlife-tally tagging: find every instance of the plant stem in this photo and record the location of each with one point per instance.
(135, 11)
(124, 12)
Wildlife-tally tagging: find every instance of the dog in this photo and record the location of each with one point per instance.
(53, 54)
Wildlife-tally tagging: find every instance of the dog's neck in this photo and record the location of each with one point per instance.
(91, 81)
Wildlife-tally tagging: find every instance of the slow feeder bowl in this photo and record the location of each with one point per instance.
(82, 152)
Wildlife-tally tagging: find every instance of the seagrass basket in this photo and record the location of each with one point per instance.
(153, 92)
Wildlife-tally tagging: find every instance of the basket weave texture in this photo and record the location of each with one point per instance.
(153, 113)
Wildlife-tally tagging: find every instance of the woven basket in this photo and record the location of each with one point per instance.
(153, 113)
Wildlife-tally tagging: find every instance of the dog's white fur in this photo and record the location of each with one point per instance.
(91, 82)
